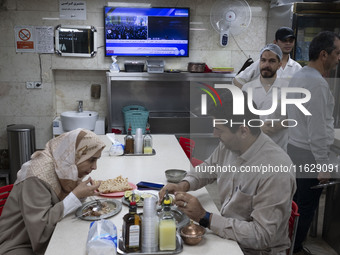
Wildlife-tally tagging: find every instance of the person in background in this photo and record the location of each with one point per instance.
(48, 187)
(263, 87)
(285, 39)
(256, 206)
(309, 142)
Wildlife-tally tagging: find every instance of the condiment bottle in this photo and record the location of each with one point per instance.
(129, 142)
(147, 142)
(132, 235)
(167, 226)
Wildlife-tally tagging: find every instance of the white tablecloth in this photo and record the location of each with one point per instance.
(70, 234)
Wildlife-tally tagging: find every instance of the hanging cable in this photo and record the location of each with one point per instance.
(240, 47)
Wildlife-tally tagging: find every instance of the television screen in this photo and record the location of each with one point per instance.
(156, 31)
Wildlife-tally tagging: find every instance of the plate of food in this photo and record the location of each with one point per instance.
(139, 197)
(115, 187)
(108, 208)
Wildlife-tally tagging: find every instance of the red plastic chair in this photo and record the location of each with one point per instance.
(293, 223)
(187, 145)
(195, 161)
(4, 193)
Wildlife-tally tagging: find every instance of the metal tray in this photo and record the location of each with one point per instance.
(181, 218)
(114, 204)
(152, 154)
(179, 247)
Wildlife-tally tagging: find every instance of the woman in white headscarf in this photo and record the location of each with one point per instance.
(48, 187)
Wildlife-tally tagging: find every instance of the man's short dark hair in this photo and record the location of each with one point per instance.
(225, 112)
(322, 41)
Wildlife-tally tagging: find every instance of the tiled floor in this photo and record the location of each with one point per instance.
(316, 245)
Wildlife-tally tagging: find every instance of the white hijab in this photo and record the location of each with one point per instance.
(57, 163)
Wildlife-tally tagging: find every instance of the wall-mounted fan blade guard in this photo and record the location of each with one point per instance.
(230, 17)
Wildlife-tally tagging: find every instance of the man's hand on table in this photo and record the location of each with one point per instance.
(185, 202)
(189, 205)
(172, 188)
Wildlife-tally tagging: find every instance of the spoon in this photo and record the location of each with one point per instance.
(95, 208)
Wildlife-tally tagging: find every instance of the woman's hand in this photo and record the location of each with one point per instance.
(84, 189)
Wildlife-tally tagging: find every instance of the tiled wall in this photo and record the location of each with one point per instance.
(66, 80)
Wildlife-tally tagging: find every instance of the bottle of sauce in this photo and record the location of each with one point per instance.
(132, 228)
(167, 227)
(147, 141)
(129, 142)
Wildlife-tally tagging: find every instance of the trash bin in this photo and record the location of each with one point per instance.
(21, 145)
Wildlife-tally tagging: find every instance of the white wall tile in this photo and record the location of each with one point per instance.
(66, 79)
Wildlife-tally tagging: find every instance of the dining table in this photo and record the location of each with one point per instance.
(70, 234)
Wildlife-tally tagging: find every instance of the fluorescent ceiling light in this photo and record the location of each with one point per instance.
(49, 18)
(198, 29)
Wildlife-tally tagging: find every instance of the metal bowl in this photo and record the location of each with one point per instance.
(192, 234)
(175, 175)
(196, 67)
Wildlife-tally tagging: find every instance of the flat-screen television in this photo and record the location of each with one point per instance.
(153, 31)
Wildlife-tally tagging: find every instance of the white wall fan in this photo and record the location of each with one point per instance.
(230, 17)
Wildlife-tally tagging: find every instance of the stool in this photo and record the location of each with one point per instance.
(4, 173)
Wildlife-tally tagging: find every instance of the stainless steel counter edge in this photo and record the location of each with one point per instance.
(183, 76)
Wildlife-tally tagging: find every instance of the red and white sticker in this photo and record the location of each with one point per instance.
(24, 39)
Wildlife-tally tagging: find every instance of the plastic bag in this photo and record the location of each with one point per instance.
(114, 67)
(116, 148)
(102, 238)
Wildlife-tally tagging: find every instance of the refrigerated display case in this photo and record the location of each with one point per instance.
(308, 20)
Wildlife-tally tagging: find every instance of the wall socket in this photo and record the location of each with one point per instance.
(33, 85)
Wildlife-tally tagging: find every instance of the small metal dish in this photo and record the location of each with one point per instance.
(192, 234)
(175, 175)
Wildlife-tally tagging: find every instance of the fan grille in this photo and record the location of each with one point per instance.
(232, 15)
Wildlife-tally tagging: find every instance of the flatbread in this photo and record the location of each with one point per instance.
(117, 184)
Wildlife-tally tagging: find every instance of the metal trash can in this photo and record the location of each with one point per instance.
(21, 145)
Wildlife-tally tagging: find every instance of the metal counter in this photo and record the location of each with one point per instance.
(162, 93)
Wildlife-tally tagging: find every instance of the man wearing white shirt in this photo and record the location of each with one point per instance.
(285, 39)
(263, 88)
(309, 142)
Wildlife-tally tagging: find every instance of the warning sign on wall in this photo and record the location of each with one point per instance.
(24, 38)
(34, 39)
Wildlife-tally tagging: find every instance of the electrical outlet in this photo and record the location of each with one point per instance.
(33, 85)
(37, 85)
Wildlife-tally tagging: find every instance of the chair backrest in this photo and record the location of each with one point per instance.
(187, 145)
(4, 193)
(293, 223)
(195, 161)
